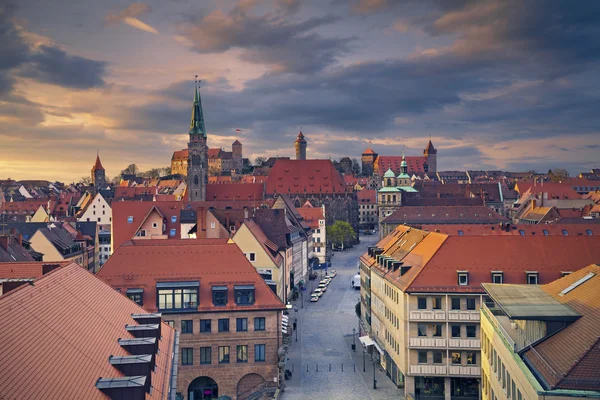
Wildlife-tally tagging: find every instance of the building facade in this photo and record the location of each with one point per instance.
(197, 168)
(229, 321)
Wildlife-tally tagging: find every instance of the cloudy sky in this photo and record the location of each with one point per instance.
(512, 84)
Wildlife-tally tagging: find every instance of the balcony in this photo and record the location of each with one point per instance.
(428, 370)
(427, 315)
(463, 315)
(460, 370)
(464, 343)
(427, 342)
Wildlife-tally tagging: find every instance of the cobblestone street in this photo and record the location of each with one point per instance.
(323, 363)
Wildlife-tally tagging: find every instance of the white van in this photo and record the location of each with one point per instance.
(356, 281)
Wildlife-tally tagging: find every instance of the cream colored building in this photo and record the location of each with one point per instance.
(57, 245)
(264, 256)
(98, 210)
(542, 342)
(421, 295)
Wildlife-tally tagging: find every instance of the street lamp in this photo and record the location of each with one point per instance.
(353, 339)
(374, 380)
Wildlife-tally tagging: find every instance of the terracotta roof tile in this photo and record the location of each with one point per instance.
(367, 196)
(234, 192)
(311, 215)
(416, 215)
(369, 151)
(97, 165)
(144, 263)
(416, 165)
(61, 349)
(180, 155)
(554, 190)
(304, 176)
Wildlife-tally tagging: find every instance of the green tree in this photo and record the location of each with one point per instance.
(258, 161)
(131, 169)
(339, 233)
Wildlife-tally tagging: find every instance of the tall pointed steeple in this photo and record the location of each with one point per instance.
(197, 121)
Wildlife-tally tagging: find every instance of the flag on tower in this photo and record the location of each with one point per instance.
(238, 130)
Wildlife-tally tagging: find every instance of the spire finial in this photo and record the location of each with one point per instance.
(403, 148)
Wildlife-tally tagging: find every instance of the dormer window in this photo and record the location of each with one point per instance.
(532, 278)
(565, 232)
(219, 294)
(463, 278)
(174, 218)
(136, 295)
(244, 295)
(177, 296)
(497, 277)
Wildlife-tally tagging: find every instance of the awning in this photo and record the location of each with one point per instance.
(366, 341)
(378, 348)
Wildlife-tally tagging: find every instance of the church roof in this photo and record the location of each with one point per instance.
(98, 165)
(416, 164)
(237, 142)
(304, 176)
(300, 138)
(430, 149)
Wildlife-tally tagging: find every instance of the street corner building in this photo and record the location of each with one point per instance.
(228, 318)
(68, 335)
(422, 292)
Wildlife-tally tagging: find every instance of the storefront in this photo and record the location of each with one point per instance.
(429, 388)
(464, 388)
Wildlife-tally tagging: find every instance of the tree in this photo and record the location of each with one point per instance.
(85, 180)
(340, 232)
(131, 169)
(558, 174)
(259, 161)
(355, 167)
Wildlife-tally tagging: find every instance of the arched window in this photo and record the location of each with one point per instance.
(195, 179)
(389, 182)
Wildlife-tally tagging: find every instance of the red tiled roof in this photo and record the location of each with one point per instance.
(25, 270)
(143, 263)
(253, 179)
(369, 151)
(367, 196)
(300, 138)
(555, 190)
(444, 215)
(60, 350)
(416, 165)
(304, 176)
(219, 179)
(575, 365)
(214, 153)
(515, 229)
(234, 192)
(270, 248)
(29, 206)
(139, 210)
(311, 215)
(131, 192)
(180, 155)
(97, 165)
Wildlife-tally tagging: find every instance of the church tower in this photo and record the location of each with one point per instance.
(98, 174)
(431, 154)
(300, 145)
(197, 173)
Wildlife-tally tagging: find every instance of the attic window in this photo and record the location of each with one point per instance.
(463, 278)
(565, 232)
(136, 295)
(521, 232)
(545, 232)
(174, 218)
(497, 277)
(589, 232)
(460, 233)
(532, 278)
(130, 219)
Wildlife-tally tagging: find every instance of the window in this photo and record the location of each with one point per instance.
(219, 295)
(172, 232)
(154, 225)
(259, 323)
(130, 219)
(422, 303)
(532, 278)
(545, 232)
(177, 295)
(259, 352)
(170, 323)
(437, 330)
(187, 356)
(508, 380)
(588, 232)
(437, 357)
(455, 303)
(244, 295)
(136, 295)
(521, 232)
(519, 395)
(224, 325)
(187, 326)
(497, 277)
(205, 326)
(241, 324)
(223, 354)
(422, 328)
(565, 233)
(422, 357)
(174, 218)
(471, 358)
(455, 331)
(470, 303)
(463, 278)
(205, 355)
(252, 257)
(471, 331)
(437, 303)
(514, 389)
(503, 376)
(456, 359)
(242, 353)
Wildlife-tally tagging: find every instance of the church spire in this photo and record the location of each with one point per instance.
(197, 121)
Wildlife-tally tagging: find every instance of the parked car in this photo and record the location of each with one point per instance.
(324, 282)
(314, 297)
(332, 273)
(323, 287)
(318, 292)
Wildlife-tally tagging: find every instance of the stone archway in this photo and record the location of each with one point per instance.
(249, 384)
(203, 387)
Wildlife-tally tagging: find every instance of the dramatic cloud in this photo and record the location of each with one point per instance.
(268, 39)
(130, 16)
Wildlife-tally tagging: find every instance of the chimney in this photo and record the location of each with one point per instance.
(5, 241)
(245, 213)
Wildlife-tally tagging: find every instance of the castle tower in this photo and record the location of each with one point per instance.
(197, 172)
(98, 174)
(431, 154)
(300, 145)
(368, 161)
(236, 150)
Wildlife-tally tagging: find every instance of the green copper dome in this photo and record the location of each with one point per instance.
(389, 174)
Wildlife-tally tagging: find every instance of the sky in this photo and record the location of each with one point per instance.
(507, 85)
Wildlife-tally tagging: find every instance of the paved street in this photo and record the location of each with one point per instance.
(325, 338)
